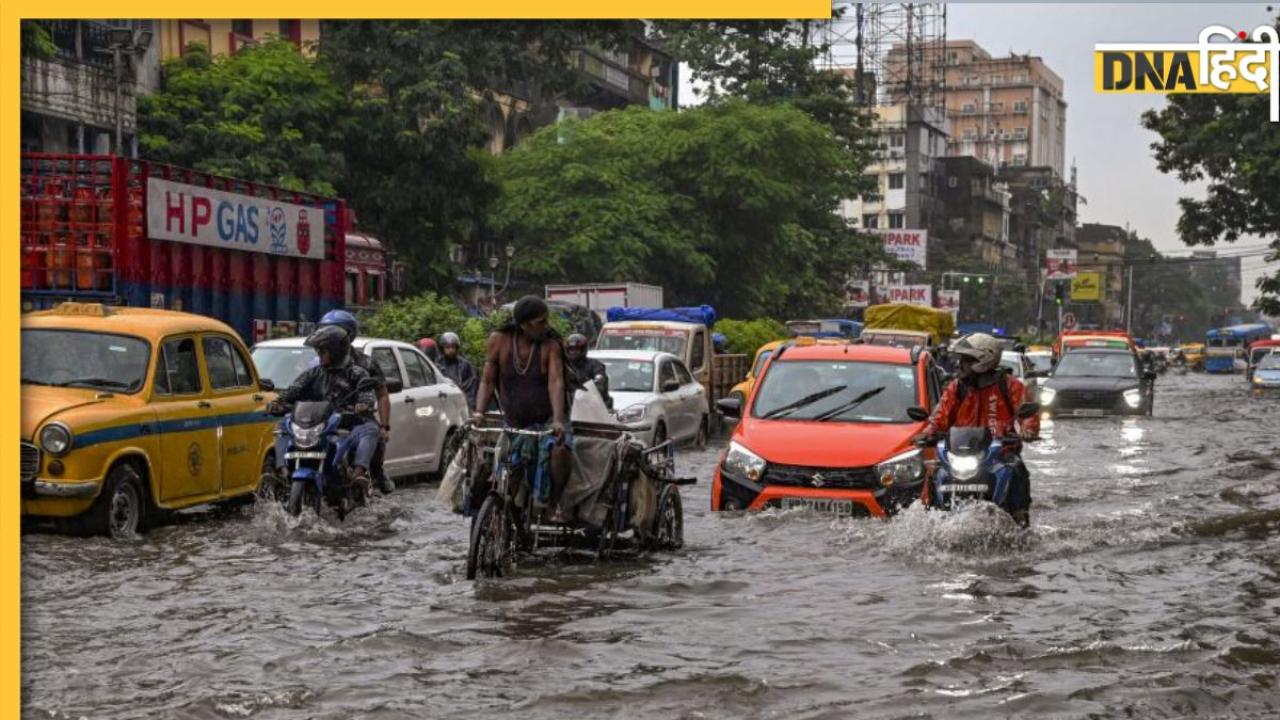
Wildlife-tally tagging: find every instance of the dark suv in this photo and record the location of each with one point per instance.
(1095, 381)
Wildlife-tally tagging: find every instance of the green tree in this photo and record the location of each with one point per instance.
(1228, 141)
(267, 114)
(730, 204)
(746, 336)
(415, 170)
(410, 318)
(36, 40)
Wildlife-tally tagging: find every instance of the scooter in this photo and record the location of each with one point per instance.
(972, 466)
(318, 457)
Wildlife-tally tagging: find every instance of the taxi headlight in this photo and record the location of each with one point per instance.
(55, 439)
(1047, 395)
(635, 413)
(1133, 398)
(964, 467)
(901, 469)
(304, 438)
(744, 463)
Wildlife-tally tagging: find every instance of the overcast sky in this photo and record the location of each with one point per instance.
(1117, 173)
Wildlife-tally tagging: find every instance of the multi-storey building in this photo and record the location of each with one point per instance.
(222, 37)
(911, 141)
(1101, 251)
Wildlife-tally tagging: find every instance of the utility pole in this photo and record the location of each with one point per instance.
(1128, 307)
(123, 40)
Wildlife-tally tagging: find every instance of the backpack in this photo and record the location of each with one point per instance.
(962, 390)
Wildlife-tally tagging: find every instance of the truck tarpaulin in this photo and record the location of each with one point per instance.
(100, 228)
(901, 316)
(701, 315)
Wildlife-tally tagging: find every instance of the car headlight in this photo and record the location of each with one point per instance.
(1257, 380)
(1133, 397)
(304, 438)
(964, 467)
(744, 463)
(55, 439)
(1047, 394)
(901, 469)
(635, 413)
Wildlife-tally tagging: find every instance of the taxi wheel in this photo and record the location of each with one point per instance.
(119, 509)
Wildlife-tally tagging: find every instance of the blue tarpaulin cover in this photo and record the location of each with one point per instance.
(702, 315)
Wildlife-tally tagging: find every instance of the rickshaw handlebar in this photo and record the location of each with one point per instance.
(512, 431)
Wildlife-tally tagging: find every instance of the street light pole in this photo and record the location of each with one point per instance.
(117, 60)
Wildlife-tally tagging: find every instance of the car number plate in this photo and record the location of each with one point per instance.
(964, 488)
(314, 455)
(1087, 412)
(826, 505)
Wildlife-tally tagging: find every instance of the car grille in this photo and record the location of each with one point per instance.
(30, 461)
(843, 478)
(1087, 399)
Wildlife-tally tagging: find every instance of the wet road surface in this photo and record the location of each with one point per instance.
(1149, 587)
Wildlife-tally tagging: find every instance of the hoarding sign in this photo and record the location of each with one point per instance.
(857, 293)
(204, 216)
(949, 300)
(1086, 287)
(908, 245)
(1060, 265)
(909, 294)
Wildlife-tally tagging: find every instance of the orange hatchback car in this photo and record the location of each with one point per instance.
(829, 428)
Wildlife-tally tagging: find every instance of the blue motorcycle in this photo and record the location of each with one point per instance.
(318, 457)
(972, 465)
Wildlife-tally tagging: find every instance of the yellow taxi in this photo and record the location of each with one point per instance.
(1194, 353)
(130, 412)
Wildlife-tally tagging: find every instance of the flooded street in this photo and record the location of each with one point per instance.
(1149, 587)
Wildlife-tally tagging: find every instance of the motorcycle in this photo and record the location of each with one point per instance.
(318, 454)
(971, 465)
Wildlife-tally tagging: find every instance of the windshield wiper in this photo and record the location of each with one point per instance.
(96, 381)
(804, 401)
(835, 412)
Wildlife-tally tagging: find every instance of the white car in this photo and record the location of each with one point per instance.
(1020, 366)
(654, 390)
(427, 409)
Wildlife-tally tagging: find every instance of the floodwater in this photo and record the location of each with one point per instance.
(1149, 587)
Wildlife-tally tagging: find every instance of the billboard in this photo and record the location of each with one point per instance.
(1060, 265)
(857, 293)
(909, 294)
(949, 300)
(909, 245)
(204, 216)
(1086, 287)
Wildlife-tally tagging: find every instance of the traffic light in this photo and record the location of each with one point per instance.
(1059, 294)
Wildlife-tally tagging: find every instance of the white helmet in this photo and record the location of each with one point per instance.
(984, 349)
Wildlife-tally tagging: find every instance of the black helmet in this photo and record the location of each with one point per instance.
(331, 339)
(577, 343)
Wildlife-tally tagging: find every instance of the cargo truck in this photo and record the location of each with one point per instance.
(106, 229)
(599, 297)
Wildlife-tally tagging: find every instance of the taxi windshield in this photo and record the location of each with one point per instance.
(283, 365)
(1270, 361)
(836, 391)
(74, 358)
(1087, 364)
(667, 341)
(629, 375)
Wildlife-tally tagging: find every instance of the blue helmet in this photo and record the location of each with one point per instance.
(342, 319)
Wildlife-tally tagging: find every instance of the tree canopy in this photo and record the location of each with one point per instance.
(732, 203)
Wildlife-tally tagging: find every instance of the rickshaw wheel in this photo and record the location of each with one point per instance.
(492, 542)
(668, 526)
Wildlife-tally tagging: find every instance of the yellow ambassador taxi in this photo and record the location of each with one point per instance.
(130, 412)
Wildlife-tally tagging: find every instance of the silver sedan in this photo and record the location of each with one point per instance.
(656, 392)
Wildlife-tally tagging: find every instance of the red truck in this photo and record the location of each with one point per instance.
(101, 228)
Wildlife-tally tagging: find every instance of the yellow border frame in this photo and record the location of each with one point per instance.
(10, 137)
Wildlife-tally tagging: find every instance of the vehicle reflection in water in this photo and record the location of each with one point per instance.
(1147, 592)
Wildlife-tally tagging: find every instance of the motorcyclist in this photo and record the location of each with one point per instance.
(985, 395)
(347, 321)
(428, 348)
(457, 368)
(585, 369)
(335, 380)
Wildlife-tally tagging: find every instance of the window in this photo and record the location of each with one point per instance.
(291, 30)
(1019, 159)
(897, 220)
(697, 353)
(871, 222)
(682, 374)
(667, 374)
(997, 79)
(1020, 133)
(996, 107)
(953, 58)
(242, 27)
(386, 361)
(970, 134)
(969, 108)
(353, 282)
(372, 283)
(896, 181)
(420, 375)
(897, 140)
(178, 371)
(226, 367)
(1020, 107)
